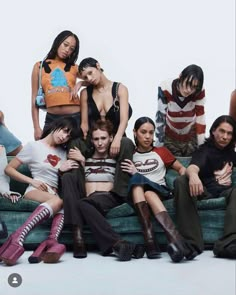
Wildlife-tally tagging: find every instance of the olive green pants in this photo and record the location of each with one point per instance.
(188, 219)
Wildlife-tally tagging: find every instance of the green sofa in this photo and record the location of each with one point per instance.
(122, 218)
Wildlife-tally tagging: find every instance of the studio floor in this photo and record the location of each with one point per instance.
(97, 275)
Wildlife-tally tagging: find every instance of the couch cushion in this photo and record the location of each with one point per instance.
(210, 204)
(184, 160)
(127, 210)
(122, 210)
(22, 206)
(171, 173)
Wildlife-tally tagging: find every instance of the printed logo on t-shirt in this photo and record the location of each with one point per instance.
(223, 176)
(53, 160)
(146, 166)
(58, 78)
(99, 170)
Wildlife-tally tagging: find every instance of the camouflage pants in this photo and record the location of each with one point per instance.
(181, 148)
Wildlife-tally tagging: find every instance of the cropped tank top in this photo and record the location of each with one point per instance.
(57, 83)
(113, 113)
(99, 170)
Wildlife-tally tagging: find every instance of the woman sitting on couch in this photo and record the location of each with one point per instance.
(44, 158)
(148, 188)
(89, 202)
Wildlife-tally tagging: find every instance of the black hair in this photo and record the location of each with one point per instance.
(191, 73)
(216, 124)
(103, 125)
(139, 122)
(65, 122)
(88, 62)
(142, 120)
(57, 42)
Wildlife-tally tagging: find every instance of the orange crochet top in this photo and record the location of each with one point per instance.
(57, 84)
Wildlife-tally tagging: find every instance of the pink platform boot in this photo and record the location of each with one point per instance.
(50, 251)
(13, 248)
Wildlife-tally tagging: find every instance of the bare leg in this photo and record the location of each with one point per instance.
(154, 202)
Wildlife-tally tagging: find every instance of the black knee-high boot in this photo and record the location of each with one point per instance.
(143, 212)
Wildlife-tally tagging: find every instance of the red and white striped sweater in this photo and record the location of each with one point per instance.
(177, 117)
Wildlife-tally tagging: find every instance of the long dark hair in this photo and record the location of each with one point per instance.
(70, 61)
(216, 124)
(66, 122)
(139, 122)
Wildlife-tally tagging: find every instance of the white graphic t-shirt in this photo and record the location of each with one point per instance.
(43, 161)
(153, 164)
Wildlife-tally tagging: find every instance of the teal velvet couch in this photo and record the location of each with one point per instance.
(122, 218)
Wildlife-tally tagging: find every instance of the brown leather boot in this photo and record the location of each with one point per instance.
(79, 248)
(143, 212)
(177, 247)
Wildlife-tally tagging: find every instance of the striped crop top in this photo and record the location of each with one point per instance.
(100, 170)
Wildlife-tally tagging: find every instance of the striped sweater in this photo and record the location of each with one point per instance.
(177, 117)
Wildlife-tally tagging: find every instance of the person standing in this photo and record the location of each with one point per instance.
(58, 79)
(103, 99)
(180, 117)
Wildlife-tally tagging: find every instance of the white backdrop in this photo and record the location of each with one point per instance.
(139, 43)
